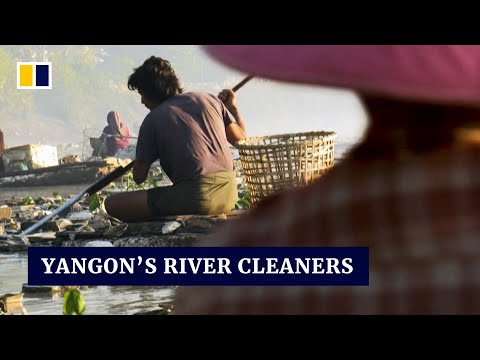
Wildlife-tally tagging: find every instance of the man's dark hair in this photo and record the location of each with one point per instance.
(155, 80)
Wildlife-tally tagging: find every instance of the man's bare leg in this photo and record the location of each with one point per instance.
(128, 206)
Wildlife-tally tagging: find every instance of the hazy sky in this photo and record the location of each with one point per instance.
(268, 107)
(273, 107)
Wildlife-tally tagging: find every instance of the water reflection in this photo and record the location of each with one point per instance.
(11, 304)
(101, 300)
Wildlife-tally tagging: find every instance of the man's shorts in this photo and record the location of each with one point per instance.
(206, 195)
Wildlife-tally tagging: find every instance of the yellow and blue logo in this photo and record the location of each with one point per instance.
(34, 75)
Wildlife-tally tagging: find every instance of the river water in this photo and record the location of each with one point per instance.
(101, 300)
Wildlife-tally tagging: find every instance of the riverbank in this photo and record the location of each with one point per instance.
(76, 228)
(101, 300)
(79, 227)
(106, 300)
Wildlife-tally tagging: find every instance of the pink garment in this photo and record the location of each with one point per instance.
(2, 143)
(434, 73)
(118, 128)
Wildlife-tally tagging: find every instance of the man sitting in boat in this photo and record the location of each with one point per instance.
(189, 134)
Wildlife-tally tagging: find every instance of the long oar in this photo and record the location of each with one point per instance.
(100, 184)
(243, 82)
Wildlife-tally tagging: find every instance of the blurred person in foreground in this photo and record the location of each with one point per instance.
(188, 132)
(409, 191)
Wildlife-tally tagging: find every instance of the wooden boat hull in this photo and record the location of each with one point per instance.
(65, 174)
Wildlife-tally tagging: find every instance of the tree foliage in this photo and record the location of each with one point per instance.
(88, 81)
(83, 85)
(11, 99)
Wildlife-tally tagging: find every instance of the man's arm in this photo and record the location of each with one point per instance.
(146, 152)
(140, 171)
(236, 130)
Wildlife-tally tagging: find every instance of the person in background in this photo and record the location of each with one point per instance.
(2, 148)
(409, 190)
(188, 132)
(2, 141)
(115, 136)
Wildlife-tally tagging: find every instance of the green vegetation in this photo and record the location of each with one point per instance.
(83, 86)
(88, 81)
(244, 201)
(19, 102)
(155, 178)
(95, 202)
(28, 200)
(73, 302)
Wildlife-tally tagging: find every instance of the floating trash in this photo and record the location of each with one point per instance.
(170, 227)
(99, 243)
(80, 216)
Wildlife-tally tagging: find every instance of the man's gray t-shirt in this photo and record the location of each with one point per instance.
(186, 133)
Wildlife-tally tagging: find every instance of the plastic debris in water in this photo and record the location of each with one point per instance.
(80, 216)
(170, 227)
(99, 243)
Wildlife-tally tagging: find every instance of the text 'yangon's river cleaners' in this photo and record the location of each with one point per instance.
(259, 266)
(198, 265)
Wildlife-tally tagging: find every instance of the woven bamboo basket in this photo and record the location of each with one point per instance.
(275, 163)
